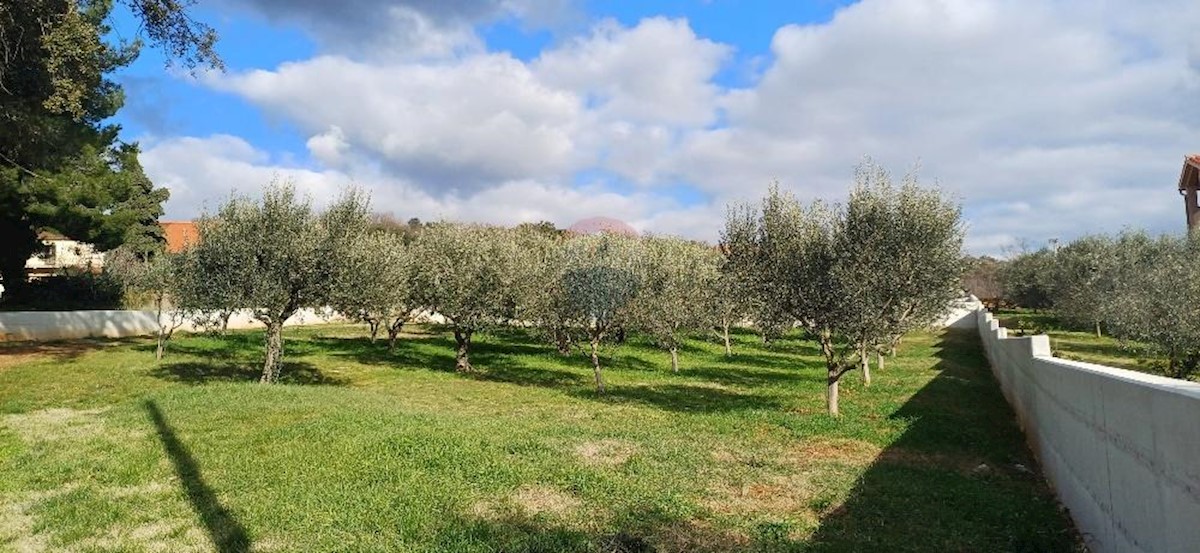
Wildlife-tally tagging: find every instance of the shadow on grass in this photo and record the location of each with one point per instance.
(197, 372)
(684, 398)
(61, 350)
(954, 480)
(636, 530)
(227, 534)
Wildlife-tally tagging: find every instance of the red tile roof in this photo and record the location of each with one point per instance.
(179, 234)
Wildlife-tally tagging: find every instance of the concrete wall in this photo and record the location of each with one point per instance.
(66, 325)
(1121, 448)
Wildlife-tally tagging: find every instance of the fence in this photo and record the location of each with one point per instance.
(1121, 448)
(69, 325)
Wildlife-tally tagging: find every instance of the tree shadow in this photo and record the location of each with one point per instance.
(199, 372)
(60, 350)
(426, 352)
(233, 345)
(227, 534)
(740, 376)
(683, 398)
(637, 529)
(960, 478)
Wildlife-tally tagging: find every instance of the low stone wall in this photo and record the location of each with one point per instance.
(68, 325)
(1121, 448)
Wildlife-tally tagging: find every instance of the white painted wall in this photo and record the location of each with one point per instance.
(67, 325)
(1121, 448)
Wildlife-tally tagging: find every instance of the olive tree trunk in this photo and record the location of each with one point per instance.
(879, 360)
(562, 341)
(274, 362)
(596, 365)
(674, 358)
(865, 365)
(374, 324)
(394, 332)
(462, 363)
(725, 335)
(831, 393)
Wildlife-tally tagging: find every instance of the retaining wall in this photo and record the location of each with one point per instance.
(1121, 448)
(68, 325)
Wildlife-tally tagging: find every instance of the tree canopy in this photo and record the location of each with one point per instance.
(62, 165)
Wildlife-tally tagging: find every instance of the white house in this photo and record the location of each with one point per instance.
(59, 252)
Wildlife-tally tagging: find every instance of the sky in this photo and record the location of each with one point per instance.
(1046, 119)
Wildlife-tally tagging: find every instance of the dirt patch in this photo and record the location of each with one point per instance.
(605, 453)
(778, 495)
(851, 452)
(12, 355)
(536, 500)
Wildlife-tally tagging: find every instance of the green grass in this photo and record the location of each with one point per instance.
(1067, 342)
(102, 449)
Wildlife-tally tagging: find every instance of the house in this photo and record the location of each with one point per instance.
(179, 234)
(1189, 188)
(59, 252)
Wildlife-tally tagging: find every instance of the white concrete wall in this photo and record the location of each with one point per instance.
(67, 325)
(961, 313)
(1121, 448)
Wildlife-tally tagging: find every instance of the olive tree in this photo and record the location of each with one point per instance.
(1081, 281)
(375, 284)
(599, 282)
(276, 256)
(163, 278)
(747, 279)
(1154, 304)
(844, 274)
(917, 258)
(541, 300)
(467, 274)
(1027, 277)
(678, 277)
(736, 289)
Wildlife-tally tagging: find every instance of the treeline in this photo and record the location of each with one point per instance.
(854, 277)
(1142, 290)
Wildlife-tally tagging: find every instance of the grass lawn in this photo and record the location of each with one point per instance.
(102, 449)
(1079, 345)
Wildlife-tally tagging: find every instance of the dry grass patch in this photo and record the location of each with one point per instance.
(153, 537)
(847, 451)
(17, 524)
(608, 453)
(56, 424)
(699, 536)
(536, 500)
(527, 501)
(778, 495)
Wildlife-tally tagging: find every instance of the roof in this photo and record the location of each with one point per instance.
(596, 225)
(179, 234)
(1190, 175)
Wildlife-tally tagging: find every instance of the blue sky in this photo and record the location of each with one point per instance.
(1047, 120)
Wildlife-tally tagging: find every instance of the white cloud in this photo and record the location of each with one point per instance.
(656, 72)
(203, 172)
(1049, 119)
(455, 126)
